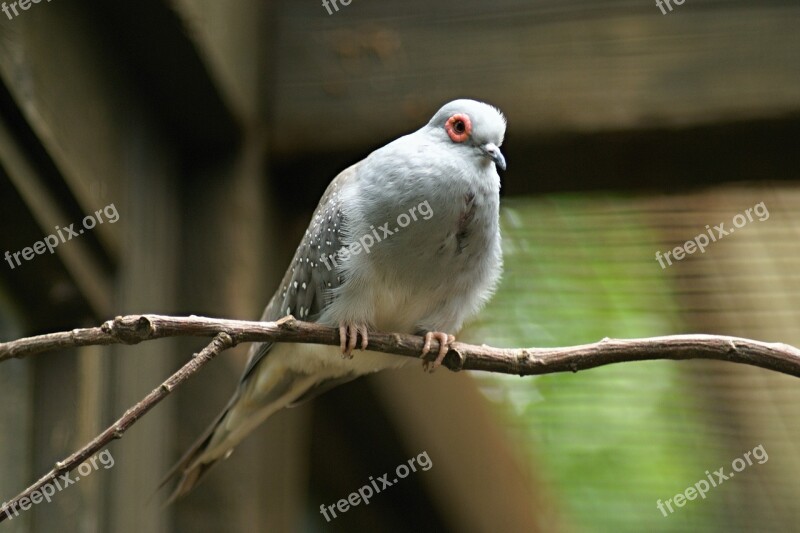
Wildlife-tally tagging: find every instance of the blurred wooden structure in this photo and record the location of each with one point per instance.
(213, 127)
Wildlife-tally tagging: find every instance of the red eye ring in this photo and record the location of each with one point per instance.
(458, 127)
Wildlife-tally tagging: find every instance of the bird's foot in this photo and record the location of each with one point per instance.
(348, 338)
(445, 340)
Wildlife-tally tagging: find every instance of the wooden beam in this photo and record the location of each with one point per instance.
(372, 70)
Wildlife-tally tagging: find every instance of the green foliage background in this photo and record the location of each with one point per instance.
(608, 442)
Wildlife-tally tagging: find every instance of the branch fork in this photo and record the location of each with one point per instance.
(133, 329)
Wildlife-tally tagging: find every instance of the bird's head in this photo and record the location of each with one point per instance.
(472, 125)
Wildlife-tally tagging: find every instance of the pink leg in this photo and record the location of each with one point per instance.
(445, 339)
(348, 337)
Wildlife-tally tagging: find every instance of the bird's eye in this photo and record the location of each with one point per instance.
(458, 127)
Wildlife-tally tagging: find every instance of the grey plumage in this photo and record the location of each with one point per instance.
(426, 271)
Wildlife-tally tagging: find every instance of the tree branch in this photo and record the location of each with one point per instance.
(520, 361)
(133, 329)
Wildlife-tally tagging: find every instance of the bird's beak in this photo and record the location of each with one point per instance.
(494, 153)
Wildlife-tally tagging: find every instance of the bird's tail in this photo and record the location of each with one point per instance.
(191, 468)
(254, 401)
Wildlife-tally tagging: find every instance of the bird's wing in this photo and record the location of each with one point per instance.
(303, 293)
(306, 287)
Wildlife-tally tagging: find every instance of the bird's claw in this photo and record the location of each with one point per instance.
(445, 340)
(348, 338)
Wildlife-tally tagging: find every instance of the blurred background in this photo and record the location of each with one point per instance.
(214, 127)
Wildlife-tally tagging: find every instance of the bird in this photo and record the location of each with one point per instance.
(406, 240)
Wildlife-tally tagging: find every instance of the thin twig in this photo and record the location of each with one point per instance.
(133, 329)
(221, 342)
